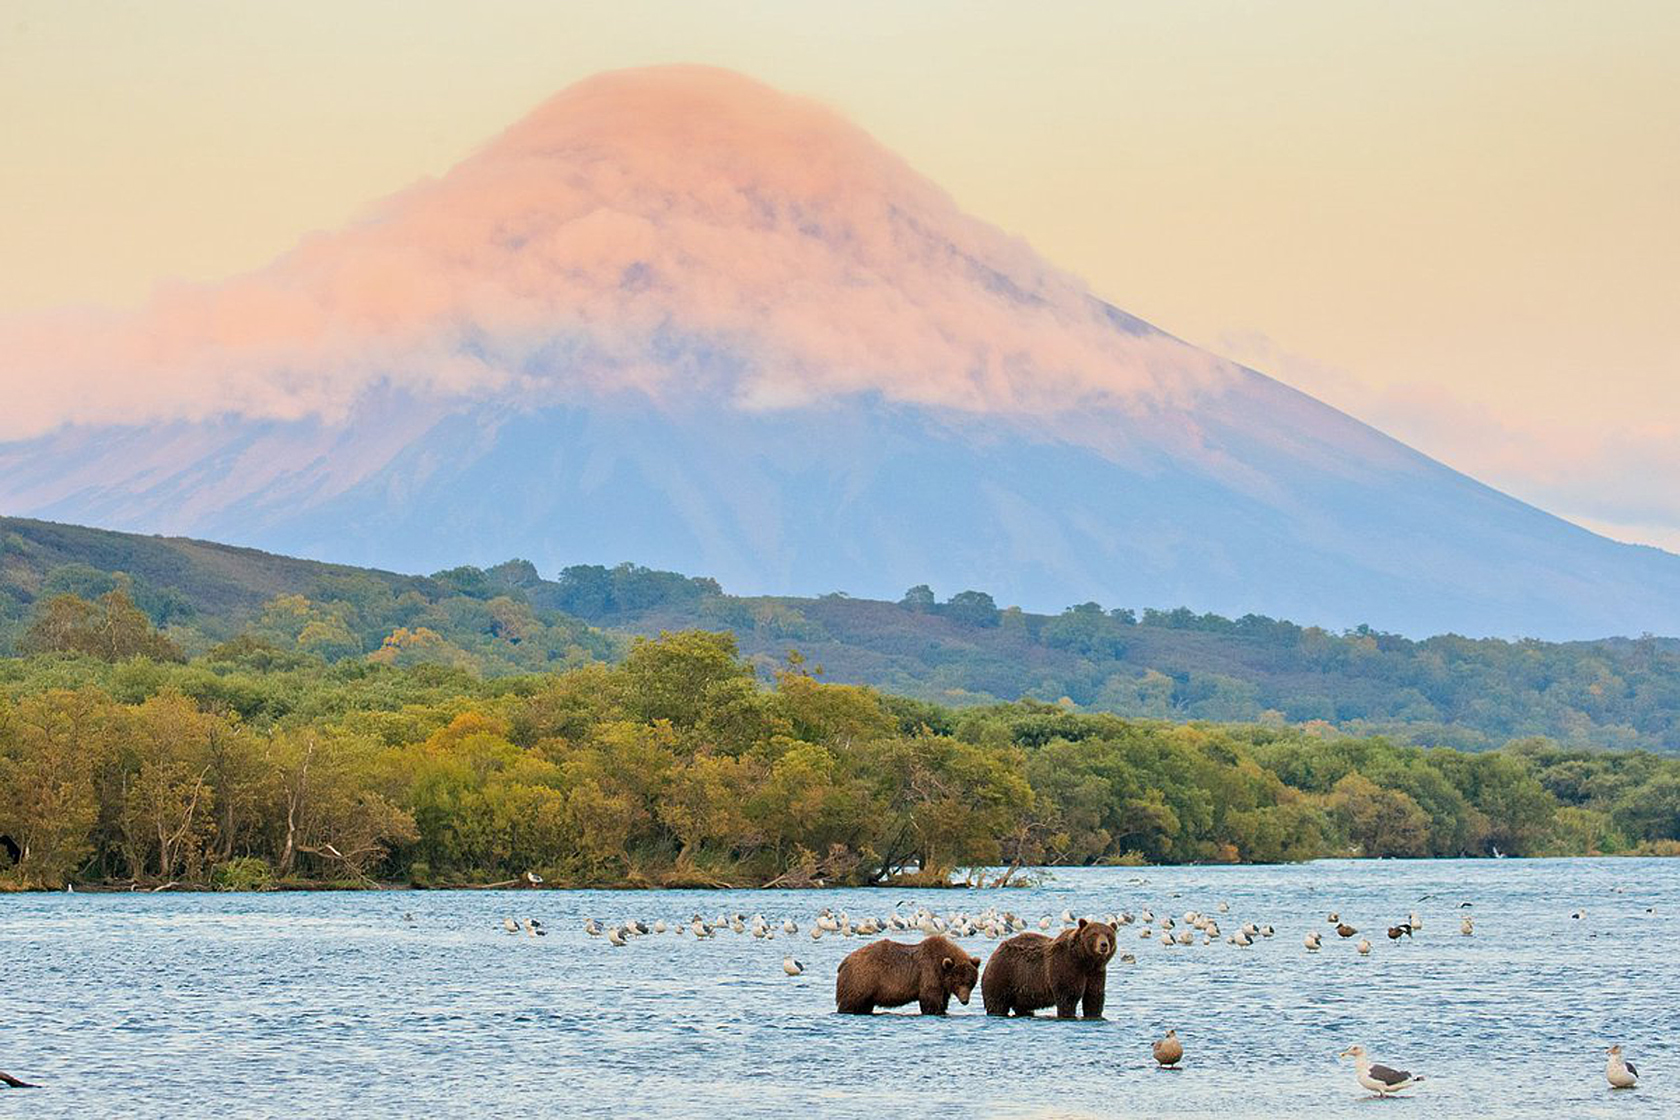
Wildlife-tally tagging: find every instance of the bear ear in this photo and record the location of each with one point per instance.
(947, 964)
(1083, 922)
(976, 961)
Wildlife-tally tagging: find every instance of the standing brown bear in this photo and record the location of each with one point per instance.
(891, 974)
(1030, 971)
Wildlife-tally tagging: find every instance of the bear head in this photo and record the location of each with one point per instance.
(961, 973)
(1095, 941)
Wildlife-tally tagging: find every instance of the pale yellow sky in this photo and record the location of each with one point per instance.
(1456, 220)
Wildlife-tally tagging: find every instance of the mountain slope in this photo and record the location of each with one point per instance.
(678, 316)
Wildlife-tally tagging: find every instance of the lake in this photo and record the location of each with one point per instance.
(251, 1005)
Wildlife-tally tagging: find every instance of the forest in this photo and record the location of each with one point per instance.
(260, 764)
(960, 651)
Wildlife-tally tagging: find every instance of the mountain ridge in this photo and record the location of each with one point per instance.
(1152, 663)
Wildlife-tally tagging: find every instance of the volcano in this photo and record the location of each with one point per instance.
(677, 317)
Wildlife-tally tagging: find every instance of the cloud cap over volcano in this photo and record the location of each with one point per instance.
(665, 230)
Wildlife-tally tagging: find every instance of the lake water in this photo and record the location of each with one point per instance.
(333, 1005)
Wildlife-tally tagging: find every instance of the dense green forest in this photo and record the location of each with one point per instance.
(265, 762)
(963, 651)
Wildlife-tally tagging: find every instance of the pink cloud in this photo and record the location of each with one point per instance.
(631, 227)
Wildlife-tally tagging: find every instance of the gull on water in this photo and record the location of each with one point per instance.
(1169, 1050)
(1364, 946)
(1380, 1079)
(1312, 941)
(1619, 1071)
(791, 966)
(1468, 926)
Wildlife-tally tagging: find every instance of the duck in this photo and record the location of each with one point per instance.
(1381, 1080)
(1168, 1051)
(1345, 930)
(1619, 1071)
(1394, 932)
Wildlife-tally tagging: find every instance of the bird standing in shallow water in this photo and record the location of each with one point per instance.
(1381, 1080)
(1346, 930)
(1169, 1050)
(1619, 1071)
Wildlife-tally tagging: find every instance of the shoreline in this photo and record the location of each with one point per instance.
(1027, 884)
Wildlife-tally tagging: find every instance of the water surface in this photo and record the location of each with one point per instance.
(332, 1004)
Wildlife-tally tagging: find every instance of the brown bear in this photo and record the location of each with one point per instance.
(891, 974)
(1030, 971)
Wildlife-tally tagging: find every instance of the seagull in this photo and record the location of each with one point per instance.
(1364, 946)
(791, 966)
(1414, 921)
(535, 928)
(1467, 926)
(1619, 1071)
(510, 925)
(1311, 941)
(616, 936)
(1380, 1079)
(1168, 1050)
(789, 926)
(408, 917)
(1334, 917)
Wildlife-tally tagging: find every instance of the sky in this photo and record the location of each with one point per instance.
(1455, 221)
